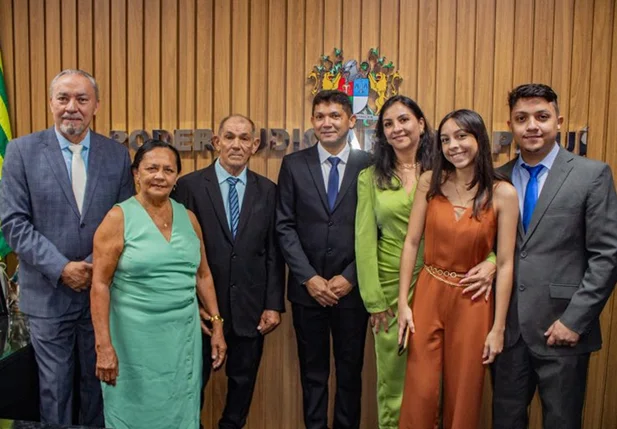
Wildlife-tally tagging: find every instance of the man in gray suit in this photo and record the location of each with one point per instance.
(565, 268)
(57, 185)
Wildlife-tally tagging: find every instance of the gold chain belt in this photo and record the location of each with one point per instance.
(440, 273)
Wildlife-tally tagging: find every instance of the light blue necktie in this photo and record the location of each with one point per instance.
(333, 181)
(531, 193)
(234, 205)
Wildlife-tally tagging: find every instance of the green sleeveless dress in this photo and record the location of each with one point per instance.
(154, 325)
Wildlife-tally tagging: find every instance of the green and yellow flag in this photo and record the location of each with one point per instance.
(5, 136)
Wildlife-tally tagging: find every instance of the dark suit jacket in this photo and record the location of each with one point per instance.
(249, 271)
(313, 240)
(40, 218)
(566, 263)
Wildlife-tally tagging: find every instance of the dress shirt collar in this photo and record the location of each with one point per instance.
(324, 154)
(222, 174)
(547, 162)
(65, 143)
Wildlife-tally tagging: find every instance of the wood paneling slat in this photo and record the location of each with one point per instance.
(277, 38)
(313, 47)
(580, 65)
(38, 84)
(240, 72)
(53, 52)
(483, 70)
(152, 65)
(258, 85)
(598, 95)
(169, 65)
(68, 24)
(280, 346)
(23, 114)
(222, 53)
(204, 74)
(465, 52)
(332, 24)
(446, 58)
(118, 62)
(85, 36)
(523, 42)
(543, 36)
(427, 57)
(102, 60)
(8, 60)
(186, 76)
(389, 30)
(503, 68)
(369, 27)
(352, 30)
(408, 48)
(135, 73)
(562, 58)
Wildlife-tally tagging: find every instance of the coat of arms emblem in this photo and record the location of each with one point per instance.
(369, 84)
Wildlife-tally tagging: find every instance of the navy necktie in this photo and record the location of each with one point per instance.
(333, 181)
(234, 205)
(531, 193)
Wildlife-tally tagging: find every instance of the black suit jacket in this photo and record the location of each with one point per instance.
(313, 240)
(249, 271)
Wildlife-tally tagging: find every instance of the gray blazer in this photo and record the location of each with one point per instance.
(39, 214)
(566, 263)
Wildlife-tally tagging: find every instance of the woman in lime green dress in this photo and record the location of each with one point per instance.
(149, 270)
(402, 152)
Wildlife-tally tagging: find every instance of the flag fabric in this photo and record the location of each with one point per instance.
(5, 137)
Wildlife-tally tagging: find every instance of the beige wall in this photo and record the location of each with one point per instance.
(167, 64)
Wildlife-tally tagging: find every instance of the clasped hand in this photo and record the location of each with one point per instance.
(77, 275)
(328, 292)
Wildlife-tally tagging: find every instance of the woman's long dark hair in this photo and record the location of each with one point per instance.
(384, 158)
(484, 173)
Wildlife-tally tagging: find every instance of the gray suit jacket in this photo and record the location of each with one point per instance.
(40, 218)
(566, 263)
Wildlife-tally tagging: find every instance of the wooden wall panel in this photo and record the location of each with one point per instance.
(38, 84)
(465, 52)
(85, 40)
(167, 64)
(69, 33)
(53, 52)
(446, 54)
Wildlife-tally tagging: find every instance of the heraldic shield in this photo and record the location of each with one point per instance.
(358, 91)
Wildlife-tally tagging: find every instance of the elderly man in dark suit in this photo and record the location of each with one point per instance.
(566, 268)
(57, 185)
(235, 208)
(316, 211)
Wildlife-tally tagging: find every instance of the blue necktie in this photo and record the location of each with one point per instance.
(234, 205)
(333, 181)
(531, 193)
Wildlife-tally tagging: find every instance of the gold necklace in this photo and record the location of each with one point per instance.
(409, 166)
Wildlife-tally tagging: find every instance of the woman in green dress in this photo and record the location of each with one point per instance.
(402, 151)
(149, 269)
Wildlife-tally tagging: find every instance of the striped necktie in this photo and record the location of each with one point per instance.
(234, 205)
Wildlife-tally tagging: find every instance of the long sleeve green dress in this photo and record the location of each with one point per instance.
(381, 225)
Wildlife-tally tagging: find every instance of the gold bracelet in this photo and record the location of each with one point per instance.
(217, 317)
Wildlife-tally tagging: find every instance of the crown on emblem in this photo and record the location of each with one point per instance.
(368, 84)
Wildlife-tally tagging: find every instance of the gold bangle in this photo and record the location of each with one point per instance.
(216, 317)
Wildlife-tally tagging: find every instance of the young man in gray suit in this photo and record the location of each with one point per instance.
(565, 268)
(57, 185)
